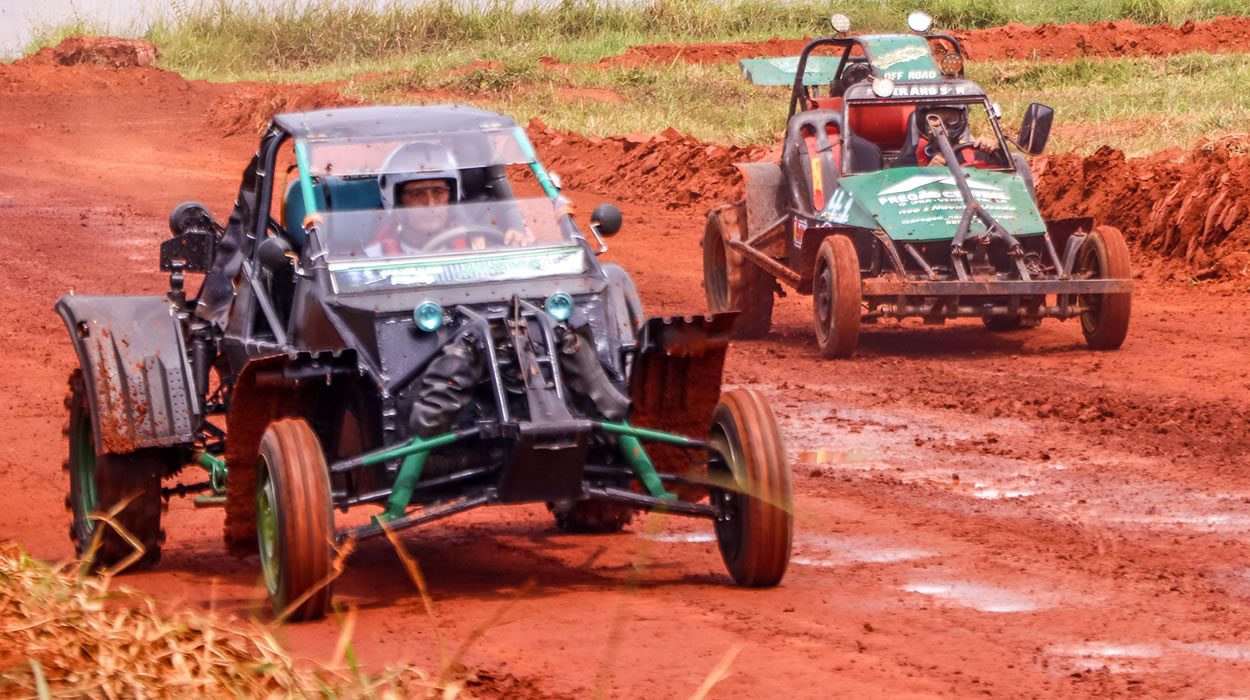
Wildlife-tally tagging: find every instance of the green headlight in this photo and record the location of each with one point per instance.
(560, 306)
(429, 316)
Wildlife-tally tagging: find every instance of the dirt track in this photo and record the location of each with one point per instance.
(979, 514)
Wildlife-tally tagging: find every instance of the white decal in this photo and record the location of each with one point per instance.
(907, 53)
(839, 208)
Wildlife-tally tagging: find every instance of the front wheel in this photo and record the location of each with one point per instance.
(836, 297)
(756, 524)
(99, 482)
(1104, 256)
(294, 520)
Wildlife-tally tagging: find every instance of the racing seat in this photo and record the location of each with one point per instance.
(812, 154)
(332, 193)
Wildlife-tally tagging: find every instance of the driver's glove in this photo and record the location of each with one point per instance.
(514, 237)
(986, 144)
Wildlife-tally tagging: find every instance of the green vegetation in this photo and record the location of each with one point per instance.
(1139, 105)
(418, 53)
(325, 39)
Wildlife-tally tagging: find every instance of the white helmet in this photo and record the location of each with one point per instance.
(418, 160)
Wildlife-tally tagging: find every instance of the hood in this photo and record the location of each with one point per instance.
(923, 204)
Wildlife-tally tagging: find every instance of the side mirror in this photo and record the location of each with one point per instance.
(195, 239)
(1035, 129)
(605, 220)
(273, 253)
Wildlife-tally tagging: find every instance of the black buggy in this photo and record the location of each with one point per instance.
(332, 358)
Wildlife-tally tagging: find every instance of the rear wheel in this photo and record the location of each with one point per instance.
(1103, 256)
(836, 297)
(294, 521)
(98, 482)
(590, 516)
(756, 525)
(731, 282)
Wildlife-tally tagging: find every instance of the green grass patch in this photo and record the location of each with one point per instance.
(1140, 105)
(325, 39)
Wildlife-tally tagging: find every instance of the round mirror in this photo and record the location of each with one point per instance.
(606, 219)
(841, 23)
(919, 21)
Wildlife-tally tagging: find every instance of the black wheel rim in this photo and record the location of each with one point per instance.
(824, 299)
(730, 503)
(1090, 269)
(84, 472)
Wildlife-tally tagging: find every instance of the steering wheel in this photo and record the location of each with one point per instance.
(465, 232)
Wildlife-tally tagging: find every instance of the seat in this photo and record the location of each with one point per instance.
(332, 193)
(907, 151)
(884, 125)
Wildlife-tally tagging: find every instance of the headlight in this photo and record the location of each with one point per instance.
(560, 306)
(883, 87)
(951, 64)
(429, 316)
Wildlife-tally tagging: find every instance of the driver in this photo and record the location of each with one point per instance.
(420, 182)
(984, 152)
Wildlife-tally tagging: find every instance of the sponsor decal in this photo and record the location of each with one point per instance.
(800, 228)
(903, 55)
(839, 209)
(924, 199)
(923, 89)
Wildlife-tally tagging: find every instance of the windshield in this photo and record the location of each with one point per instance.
(449, 244)
(473, 148)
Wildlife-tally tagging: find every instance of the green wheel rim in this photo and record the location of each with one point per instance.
(84, 469)
(267, 526)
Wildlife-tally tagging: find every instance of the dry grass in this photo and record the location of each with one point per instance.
(79, 637)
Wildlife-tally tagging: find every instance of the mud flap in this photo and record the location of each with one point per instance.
(135, 365)
(764, 195)
(676, 380)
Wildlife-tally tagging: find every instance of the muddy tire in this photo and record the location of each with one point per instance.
(98, 482)
(755, 530)
(731, 282)
(1104, 255)
(590, 516)
(836, 297)
(294, 520)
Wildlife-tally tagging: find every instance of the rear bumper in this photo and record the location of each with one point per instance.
(892, 286)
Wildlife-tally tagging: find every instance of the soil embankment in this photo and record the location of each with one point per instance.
(1018, 41)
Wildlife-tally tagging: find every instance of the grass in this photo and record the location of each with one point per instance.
(1139, 105)
(78, 637)
(320, 39)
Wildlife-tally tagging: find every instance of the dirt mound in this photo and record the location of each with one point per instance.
(1123, 38)
(87, 80)
(669, 168)
(94, 50)
(1047, 41)
(248, 109)
(1196, 208)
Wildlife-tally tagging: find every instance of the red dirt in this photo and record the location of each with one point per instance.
(1047, 41)
(96, 51)
(1002, 514)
